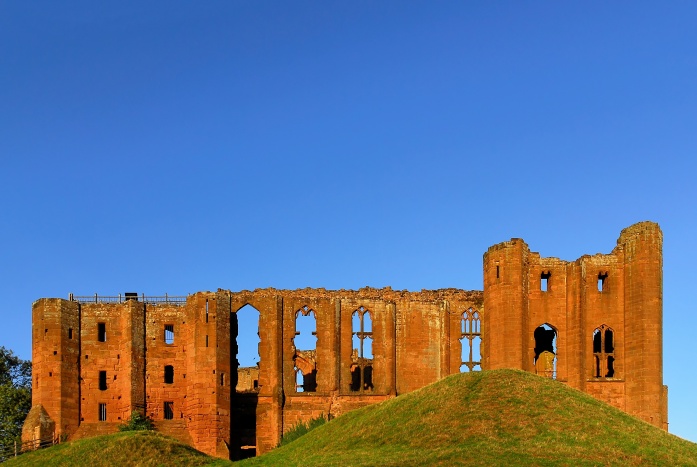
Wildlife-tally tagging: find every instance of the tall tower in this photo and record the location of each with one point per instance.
(646, 396)
(56, 361)
(505, 303)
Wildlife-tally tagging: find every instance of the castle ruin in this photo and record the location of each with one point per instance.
(594, 324)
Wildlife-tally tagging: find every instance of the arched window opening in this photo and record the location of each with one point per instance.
(545, 360)
(470, 341)
(604, 352)
(362, 353)
(305, 343)
(245, 329)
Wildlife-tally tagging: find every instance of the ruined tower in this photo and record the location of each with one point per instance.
(594, 324)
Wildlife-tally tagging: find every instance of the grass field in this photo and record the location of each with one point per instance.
(502, 417)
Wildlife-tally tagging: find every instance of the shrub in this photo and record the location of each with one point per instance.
(302, 428)
(137, 421)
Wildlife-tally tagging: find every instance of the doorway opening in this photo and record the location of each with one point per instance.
(244, 384)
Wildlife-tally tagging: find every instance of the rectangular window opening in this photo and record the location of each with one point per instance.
(102, 412)
(101, 332)
(169, 333)
(206, 310)
(102, 380)
(169, 374)
(601, 281)
(497, 271)
(544, 281)
(169, 410)
(70, 333)
(206, 340)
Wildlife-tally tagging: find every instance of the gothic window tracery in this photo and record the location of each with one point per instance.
(362, 353)
(603, 352)
(470, 340)
(305, 345)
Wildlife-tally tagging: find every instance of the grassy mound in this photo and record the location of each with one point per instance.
(502, 417)
(142, 448)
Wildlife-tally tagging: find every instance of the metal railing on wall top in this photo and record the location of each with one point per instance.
(122, 298)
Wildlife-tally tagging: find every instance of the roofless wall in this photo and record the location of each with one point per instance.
(594, 323)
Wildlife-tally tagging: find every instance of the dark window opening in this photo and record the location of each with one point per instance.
(305, 382)
(497, 271)
(604, 352)
(169, 334)
(206, 310)
(101, 332)
(169, 410)
(470, 341)
(601, 281)
(102, 380)
(362, 353)
(222, 379)
(169, 374)
(544, 281)
(102, 412)
(206, 340)
(545, 360)
(70, 333)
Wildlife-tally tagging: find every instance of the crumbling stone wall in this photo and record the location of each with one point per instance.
(618, 295)
(177, 362)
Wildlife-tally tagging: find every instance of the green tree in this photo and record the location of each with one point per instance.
(15, 396)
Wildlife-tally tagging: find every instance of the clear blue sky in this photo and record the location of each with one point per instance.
(176, 147)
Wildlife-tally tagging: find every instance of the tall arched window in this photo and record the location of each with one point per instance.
(545, 359)
(603, 352)
(305, 343)
(470, 340)
(362, 353)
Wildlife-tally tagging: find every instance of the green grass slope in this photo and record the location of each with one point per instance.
(502, 417)
(130, 448)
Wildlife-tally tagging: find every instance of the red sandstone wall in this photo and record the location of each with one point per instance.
(416, 340)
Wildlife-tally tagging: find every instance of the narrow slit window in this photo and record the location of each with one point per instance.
(102, 380)
(169, 374)
(222, 379)
(498, 272)
(101, 332)
(169, 410)
(169, 333)
(102, 412)
(206, 340)
(206, 310)
(544, 281)
(70, 333)
(602, 277)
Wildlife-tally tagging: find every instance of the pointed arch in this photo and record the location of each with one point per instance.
(545, 359)
(603, 352)
(470, 340)
(362, 350)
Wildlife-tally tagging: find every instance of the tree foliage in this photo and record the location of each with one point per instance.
(15, 396)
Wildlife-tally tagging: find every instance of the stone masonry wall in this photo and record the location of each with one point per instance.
(177, 362)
